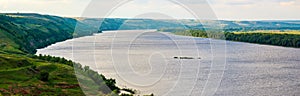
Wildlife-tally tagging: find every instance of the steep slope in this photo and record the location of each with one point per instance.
(33, 31)
(46, 75)
(22, 73)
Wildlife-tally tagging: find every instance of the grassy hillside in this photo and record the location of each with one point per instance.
(22, 73)
(47, 75)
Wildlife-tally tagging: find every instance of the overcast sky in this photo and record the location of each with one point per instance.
(223, 9)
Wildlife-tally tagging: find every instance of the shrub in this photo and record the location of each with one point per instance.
(44, 76)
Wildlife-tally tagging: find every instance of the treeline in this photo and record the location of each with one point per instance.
(53, 59)
(100, 82)
(287, 40)
(202, 33)
(103, 84)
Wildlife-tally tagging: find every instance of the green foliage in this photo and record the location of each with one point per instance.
(54, 59)
(36, 77)
(201, 33)
(129, 90)
(44, 76)
(34, 31)
(28, 32)
(101, 83)
(286, 39)
(8, 63)
(198, 33)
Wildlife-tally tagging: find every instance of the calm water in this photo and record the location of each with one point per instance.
(145, 61)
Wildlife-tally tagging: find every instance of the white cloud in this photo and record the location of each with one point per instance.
(287, 3)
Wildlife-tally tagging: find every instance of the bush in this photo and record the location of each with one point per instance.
(44, 76)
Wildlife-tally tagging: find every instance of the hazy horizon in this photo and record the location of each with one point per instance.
(236, 10)
(157, 18)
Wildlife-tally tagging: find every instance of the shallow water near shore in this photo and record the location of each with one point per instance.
(145, 60)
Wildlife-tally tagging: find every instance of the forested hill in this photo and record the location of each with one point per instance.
(27, 31)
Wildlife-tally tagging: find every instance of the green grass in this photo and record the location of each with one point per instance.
(19, 76)
(23, 74)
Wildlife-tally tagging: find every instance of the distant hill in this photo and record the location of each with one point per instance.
(131, 24)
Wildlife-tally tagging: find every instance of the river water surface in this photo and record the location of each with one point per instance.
(166, 64)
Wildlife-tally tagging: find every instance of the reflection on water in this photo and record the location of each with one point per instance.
(145, 61)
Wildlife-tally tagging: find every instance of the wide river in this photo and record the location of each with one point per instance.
(166, 64)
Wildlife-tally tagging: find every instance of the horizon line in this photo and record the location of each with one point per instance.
(150, 18)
